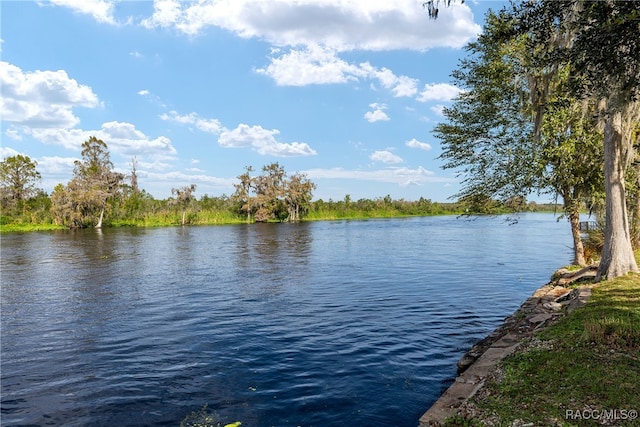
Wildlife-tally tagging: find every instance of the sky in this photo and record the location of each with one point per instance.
(346, 91)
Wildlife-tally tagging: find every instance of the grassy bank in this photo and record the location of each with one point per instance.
(20, 228)
(579, 371)
(172, 219)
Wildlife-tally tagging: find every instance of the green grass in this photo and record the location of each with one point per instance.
(205, 217)
(15, 228)
(593, 364)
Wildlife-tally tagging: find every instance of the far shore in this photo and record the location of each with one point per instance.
(208, 220)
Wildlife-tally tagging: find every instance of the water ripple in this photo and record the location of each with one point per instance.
(308, 324)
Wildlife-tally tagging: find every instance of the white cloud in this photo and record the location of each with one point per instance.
(136, 54)
(177, 179)
(438, 92)
(399, 85)
(438, 109)
(340, 25)
(154, 99)
(156, 165)
(313, 65)
(205, 125)
(414, 143)
(320, 65)
(13, 134)
(399, 175)
(377, 114)
(55, 165)
(263, 141)
(100, 10)
(122, 138)
(385, 156)
(42, 98)
(166, 13)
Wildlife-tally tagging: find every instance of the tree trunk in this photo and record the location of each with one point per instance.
(635, 217)
(578, 247)
(184, 214)
(99, 224)
(617, 255)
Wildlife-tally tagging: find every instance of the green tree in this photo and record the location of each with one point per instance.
(243, 194)
(571, 146)
(487, 136)
(298, 194)
(184, 197)
(499, 138)
(603, 50)
(18, 179)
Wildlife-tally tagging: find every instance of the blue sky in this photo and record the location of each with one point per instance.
(346, 91)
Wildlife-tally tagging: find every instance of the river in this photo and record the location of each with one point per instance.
(312, 324)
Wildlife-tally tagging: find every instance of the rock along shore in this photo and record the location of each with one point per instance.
(545, 306)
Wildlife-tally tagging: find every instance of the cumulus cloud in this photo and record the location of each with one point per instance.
(263, 141)
(385, 156)
(312, 65)
(205, 125)
(55, 165)
(399, 85)
(100, 10)
(344, 25)
(438, 92)
(42, 98)
(122, 138)
(403, 176)
(320, 65)
(377, 114)
(414, 143)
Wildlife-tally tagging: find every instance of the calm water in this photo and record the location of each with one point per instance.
(314, 324)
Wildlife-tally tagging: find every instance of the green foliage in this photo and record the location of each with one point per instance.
(18, 179)
(488, 136)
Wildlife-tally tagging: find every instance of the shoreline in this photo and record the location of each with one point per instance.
(544, 307)
(28, 227)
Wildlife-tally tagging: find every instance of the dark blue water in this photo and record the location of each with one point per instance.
(313, 324)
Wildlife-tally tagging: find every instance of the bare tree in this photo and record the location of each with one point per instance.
(85, 198)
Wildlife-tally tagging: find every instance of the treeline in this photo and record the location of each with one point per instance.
(99, 196)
